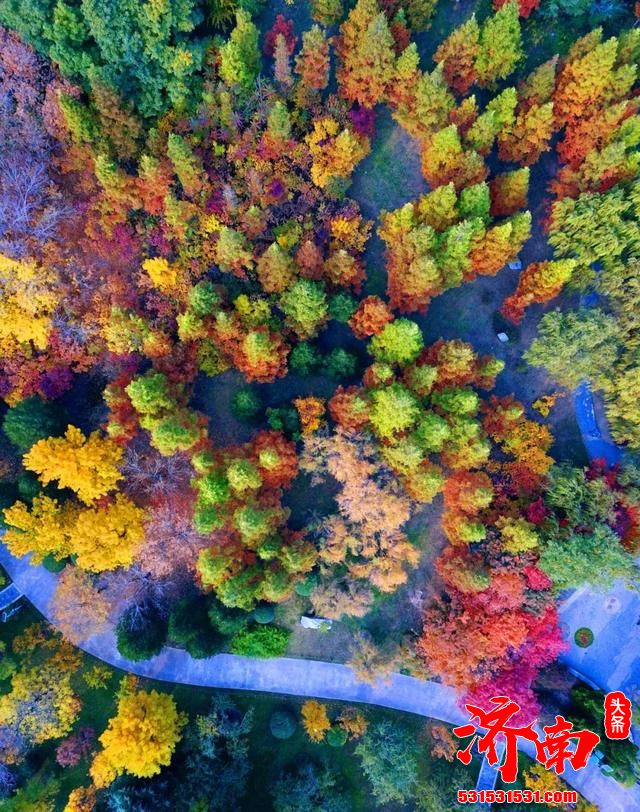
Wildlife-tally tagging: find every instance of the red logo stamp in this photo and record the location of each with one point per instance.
(617, 715)
(559, 745)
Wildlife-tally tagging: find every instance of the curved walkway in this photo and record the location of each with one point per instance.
(299, 678)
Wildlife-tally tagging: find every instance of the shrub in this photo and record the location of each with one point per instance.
(227, 621)
(246, 404)
(583, 637)
(337, 737)
(29, 421)
(282, 724)
(264, 614)
(189, 627)
(340, 364)
(261, 641)
(304, 358)
(305, 587)
(285, 419)
(341, 307)
(142, 639)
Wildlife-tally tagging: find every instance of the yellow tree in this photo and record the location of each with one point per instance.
(315, 720)
(102, 538)
(28, 299)
(105, 538)
(87, 465)
(140, 739)
(41, 704)
(45, 530)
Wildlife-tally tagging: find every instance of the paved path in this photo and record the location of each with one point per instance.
(299, 678)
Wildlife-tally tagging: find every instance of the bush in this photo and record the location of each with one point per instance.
(189, 627)
(285, 419)
(583, 637)
(140, 642)
(51, 563)
(304, 358)
(227, 621)
(28, 485)
(29, 421)
(305, 587)
(342, 306)
(340, 364)
(261, 641)
(282, 724)
(246, 404)
(337, 737)
(264, 614)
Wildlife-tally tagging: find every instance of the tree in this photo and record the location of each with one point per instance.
(366, 53)
(140, 739)
(29, 421)
(500, 46)
(595, 557)
(525, 7)
(528, 137)
(315, 720)
(87, 465)
(458, 55)
(312, 63)
(399, 342)
(574, 346)
(309, 787)
(42, 703)
(240, 55)
(444, 160)
(30, 296)
(500, 244)
(538, 282)
(394, 410)
(335, 150)
(509, 192)
(94, 42)
(72, 750)
(78, 609)
(305, 306)
(389, 757)
(326, 12)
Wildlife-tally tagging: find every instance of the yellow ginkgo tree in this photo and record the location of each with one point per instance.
(140, 739)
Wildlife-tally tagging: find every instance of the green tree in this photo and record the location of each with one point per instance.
(309, 787)
(500, 46)
(400, 342)
(394, 410)
(596, 557)
(305, 306)
(575, 346)
(240, 55)
(29, 421)
(389, 756)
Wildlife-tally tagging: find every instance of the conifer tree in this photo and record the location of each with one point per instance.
(529, 135)
(312, 63)
(458, 55)
(444, 160)
(509, 192)
(327, 12)
(240, 55)
(538, 282)
(500, 46)
(366, 53)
